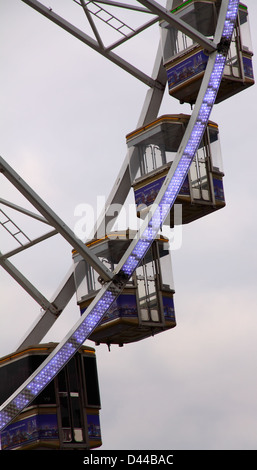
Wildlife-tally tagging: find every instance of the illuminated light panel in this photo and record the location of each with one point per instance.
(89, 321)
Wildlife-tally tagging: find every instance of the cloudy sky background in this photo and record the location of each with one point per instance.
(65, 112)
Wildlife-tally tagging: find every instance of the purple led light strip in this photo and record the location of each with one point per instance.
(89, 320)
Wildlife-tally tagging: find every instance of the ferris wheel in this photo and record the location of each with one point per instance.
(122, 280)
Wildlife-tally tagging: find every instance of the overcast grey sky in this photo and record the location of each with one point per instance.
(65, 112)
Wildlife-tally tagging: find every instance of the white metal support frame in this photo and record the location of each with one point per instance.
(86, 39)
(53, 219)
(139, 246)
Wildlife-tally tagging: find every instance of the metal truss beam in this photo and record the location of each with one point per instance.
(23, 211)
(64, 24)
(29, 245)
(131, 35)
(54, 220)
(120, 5)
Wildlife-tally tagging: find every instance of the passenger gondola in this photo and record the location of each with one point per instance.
(185, 61)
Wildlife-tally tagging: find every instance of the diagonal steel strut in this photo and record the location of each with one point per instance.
(53, 219)
(86, 39)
